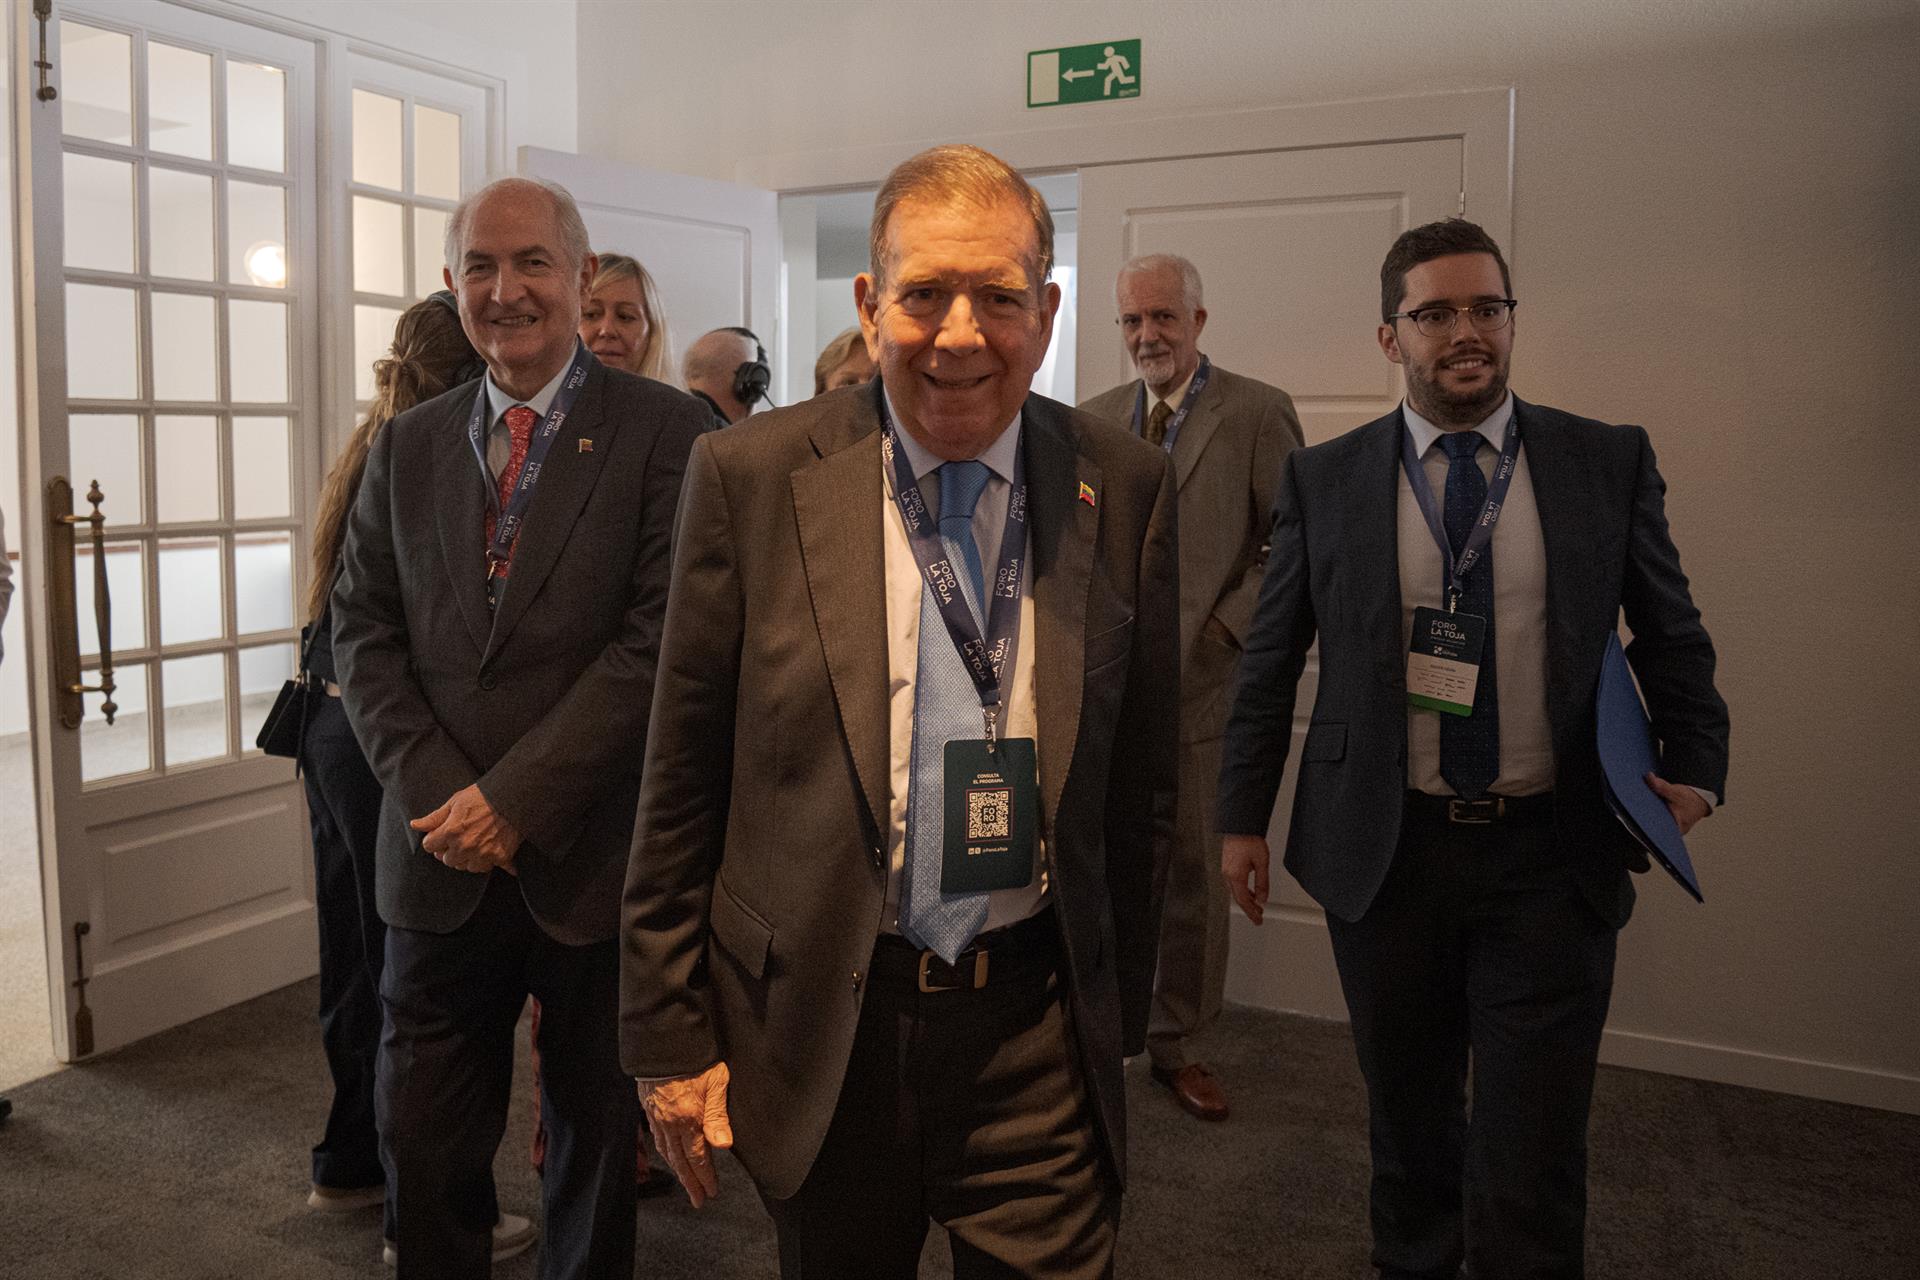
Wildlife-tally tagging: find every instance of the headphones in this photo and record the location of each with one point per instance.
(474, 368)
(751, 379)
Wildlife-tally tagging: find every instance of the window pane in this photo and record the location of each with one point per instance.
(256, 116)
(179, 101)
(376, 139)
(96, 84)
(263, 669)
(263, 581)
(182, 232)
(126, 594)
(256, 234)
(372, 339)
(183, 349)
(261, 484)
(186, 463)
(190, 591)
(257, 332)
(110, 750)
(429, 250)
(195, 690)
(436, 153)
(105, 447)
(377, 267)
(99, 200)
(102, 353)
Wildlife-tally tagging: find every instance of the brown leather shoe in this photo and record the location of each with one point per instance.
(1195, 1088)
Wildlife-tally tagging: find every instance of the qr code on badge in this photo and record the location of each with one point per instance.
(987, 814)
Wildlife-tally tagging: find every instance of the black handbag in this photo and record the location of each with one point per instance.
(286, 723)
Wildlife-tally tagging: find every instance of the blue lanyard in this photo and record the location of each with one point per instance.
(988, 659)
(1482, 532)
(1194, 389)
(508, 527)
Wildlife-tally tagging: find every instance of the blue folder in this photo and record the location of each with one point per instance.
(1627, 755)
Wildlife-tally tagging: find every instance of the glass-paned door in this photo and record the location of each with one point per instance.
(169, 218)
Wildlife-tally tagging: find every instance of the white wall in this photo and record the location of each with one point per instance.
(1713, 235)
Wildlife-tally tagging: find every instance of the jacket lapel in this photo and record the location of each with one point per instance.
(1196, 432)
(1064, 529)
(836, 506)
(1548, 450)
(1371, 504)
(566, 481)
(460, 512)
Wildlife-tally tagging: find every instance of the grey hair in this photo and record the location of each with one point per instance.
(574, 240)
(1148, 263)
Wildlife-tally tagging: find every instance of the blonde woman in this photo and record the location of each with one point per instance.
(430, 355)
(623, 323)
(844, 362)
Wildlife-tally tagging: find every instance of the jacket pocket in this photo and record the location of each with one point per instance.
(1326, 741)
(738, 928)
(1108, 646)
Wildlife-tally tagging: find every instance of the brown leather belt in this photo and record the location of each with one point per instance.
(1481, 812)
(997, 955)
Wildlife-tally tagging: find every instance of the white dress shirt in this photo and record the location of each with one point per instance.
(499, 438)
(904, 585)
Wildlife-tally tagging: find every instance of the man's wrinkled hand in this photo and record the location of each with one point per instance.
(1243, 861)
(688, 1118)
(1684, 803)
(467, 833)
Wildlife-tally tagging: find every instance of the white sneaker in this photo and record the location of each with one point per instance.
(513, 1235)
(345, 1199)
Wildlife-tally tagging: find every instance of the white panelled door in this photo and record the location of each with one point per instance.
(1289, 245)
(712, 247)
(169, 355)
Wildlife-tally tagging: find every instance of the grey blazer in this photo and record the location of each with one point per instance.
(1334, 572)
(758, 877)
(1226, 462)
(544, 702)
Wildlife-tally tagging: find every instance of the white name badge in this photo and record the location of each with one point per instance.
(1443, 663)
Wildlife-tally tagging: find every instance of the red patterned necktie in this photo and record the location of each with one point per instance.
(520, 420)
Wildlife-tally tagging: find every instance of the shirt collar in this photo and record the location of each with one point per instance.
(1173, 397)
(499, 401)
(1493, 429)
(999, 456)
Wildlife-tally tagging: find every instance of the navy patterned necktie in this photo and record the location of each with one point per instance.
(945, 707)
(1470, 745)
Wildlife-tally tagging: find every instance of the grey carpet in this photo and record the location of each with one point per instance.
(186, 1156)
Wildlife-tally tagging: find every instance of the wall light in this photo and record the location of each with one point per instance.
(266, 264)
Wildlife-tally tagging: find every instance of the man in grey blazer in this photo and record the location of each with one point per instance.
(497, 622)
(1227, 436)
(1474, 880)
(879, 1043)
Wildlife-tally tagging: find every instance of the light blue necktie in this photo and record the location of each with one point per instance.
(945, 706)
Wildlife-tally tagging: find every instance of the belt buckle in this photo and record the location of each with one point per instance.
(979, 973)
(1478, 813)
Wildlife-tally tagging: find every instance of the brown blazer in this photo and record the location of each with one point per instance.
(1226, 461)
(757, 881)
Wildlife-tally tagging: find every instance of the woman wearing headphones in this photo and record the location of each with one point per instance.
(430, 355)
(622, 322)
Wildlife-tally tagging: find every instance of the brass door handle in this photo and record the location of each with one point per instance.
(66, 620)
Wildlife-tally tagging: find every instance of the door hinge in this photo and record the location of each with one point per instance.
(1460, 209)
(82, 1016)
(43, 10)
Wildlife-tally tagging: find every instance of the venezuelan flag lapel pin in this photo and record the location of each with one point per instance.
(586, 445)
(1086, 493)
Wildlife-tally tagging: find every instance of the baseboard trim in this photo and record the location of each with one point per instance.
(1285, 966)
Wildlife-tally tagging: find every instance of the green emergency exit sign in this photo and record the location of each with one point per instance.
(1100, 72)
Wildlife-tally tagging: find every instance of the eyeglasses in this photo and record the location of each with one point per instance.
(1438, 322)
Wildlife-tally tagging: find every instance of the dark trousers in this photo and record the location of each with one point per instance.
(967, 1108)
(445, 1078)
(1480, 953)
(343, 808)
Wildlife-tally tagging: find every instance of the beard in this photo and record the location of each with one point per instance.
(1442, 406)
(1157, 369)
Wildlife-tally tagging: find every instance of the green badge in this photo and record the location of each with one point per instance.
(1443, 664)
(992, 803)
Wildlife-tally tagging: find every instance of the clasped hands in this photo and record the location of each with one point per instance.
(468, 834)
(688, 1118)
